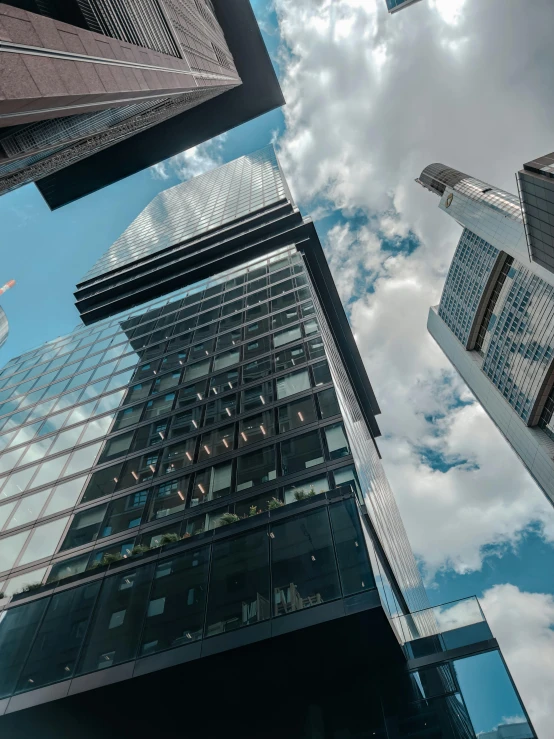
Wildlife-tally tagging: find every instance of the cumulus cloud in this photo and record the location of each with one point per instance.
(192, 162)
(371, 100)
(523, 623)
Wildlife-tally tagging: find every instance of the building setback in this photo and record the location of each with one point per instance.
(495, 320)
(94, 90)
(197, 534)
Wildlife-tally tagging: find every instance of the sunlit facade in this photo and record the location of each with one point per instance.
(495, 320)
(191, 494)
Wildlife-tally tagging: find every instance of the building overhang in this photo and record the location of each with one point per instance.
(259, 93)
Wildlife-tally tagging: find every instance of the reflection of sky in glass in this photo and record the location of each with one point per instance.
(194, 207)
(488, 692)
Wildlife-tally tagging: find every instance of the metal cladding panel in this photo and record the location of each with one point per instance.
(259, 93)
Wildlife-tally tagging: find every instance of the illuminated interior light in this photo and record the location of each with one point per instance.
(262, 429)
(225, 443)
(207, 449)
(215, 390)
(188, 456)
(161, 434)
(180, 494)
(207, 352)
(228, 411)
(188, 635)
(199, 396)
(115, 479)
(152, 467)
(272, 535)
(67, 668)
(194, 424)
(363, 584)
(230, 385)
(201, 488)
(313, 558)
(244, 436)
(262, 399)
(300, 416)
(155, 372)
(135, 475)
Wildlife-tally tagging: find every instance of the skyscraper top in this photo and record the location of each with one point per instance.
(197, 206)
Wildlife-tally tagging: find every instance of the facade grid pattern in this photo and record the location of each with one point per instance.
(466, 281)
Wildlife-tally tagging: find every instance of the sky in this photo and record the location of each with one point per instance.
(371, 100)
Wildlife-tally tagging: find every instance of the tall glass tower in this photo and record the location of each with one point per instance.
(495, 320)
(197, 534)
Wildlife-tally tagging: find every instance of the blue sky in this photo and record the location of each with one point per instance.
(480, 527)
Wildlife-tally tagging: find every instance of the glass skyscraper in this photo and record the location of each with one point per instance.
(495, 320)
(196, 532)
(394, 6)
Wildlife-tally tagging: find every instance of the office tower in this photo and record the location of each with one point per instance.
(197, 533)
(92, 91)
(536, 191)
(495, 320)
(394, 6)
(4, 325)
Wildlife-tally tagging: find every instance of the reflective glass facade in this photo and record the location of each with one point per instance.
(536, 191)
(499, 304)
(395, 5)
(198, 477)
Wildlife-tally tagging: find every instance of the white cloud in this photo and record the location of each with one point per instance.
(523, 623)
(371, 100)
(192, 162)
(359, 130)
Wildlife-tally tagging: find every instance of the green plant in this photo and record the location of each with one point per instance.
(228, 518)
(109, 559)
(30, 587)
(274, 503)
(139, 549)
(253, 510)
(2, 594)
(169, 539)
(311, 492)
(300, 495)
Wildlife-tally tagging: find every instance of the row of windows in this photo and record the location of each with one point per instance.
(83, 360)
(51, 470)
(92, 336)
(177, 456)
(183, 526)
(297, 563)
(250, 470)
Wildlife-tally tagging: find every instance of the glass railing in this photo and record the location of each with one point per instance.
(446, 626)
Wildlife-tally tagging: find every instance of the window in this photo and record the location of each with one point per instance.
(197, 370)
(114, 632)
(306, 488)
(348, 476)
(128, 417)
(256, 428)
(58, 641)
(175, 613)
(226, 359)
(285, 318)
(102, 483)
(322, 374)
(303, 563)
(202, 350)
(124, 513)
(29, 509)
(256, 468)
(311, 327)
(169, 498)
(328, 403)
(296, 414)
(255, 371)
(256, 329)
(147, 436)
(239, 583)
(191, 394)
(18, 630)
(174, 361)
(301, 453)
(186, 422)
(257, 396)
(221, 409)
(216, 442)
(228, 340)
(85, 527)
(212, 483)
(138, 470)
(166, 382)
(286, 336)
(224, 382)
(256, 348)
(117, 446)
(337, 443)
(316, 348)
(353, 559)
(288, 358)
(138, 392)
(294, 382)
(10, 547)
(177, 456)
